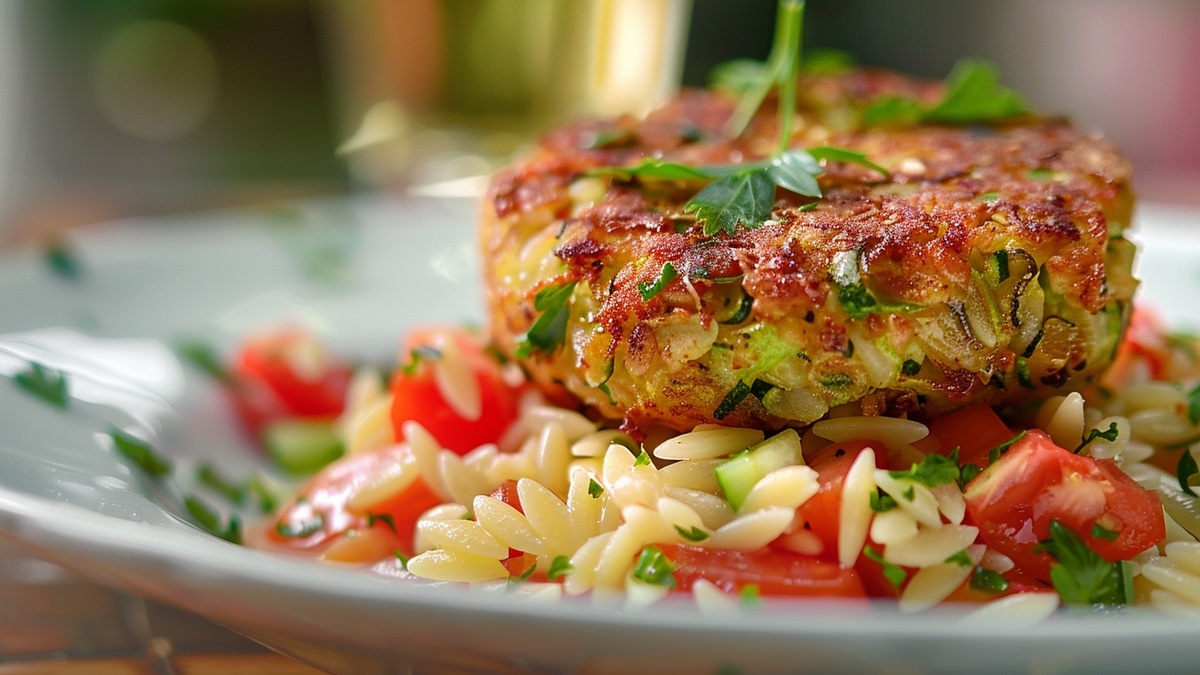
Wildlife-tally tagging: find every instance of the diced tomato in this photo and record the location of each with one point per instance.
(417, 396)
(822, 510)
(1013, 501)
(323, 504)
(974, 430)
(268, 384)
(775, 573)
(1144, 346)
(507, 493)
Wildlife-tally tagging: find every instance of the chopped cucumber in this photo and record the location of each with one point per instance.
(301, 446)
(739, 474)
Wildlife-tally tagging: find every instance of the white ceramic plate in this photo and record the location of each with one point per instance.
(361, 271)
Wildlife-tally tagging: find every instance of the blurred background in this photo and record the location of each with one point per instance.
(144, 107)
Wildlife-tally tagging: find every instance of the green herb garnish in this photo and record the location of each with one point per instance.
(667, 274)
(210, 520)
(643, 459)
(973, 94)
(1184, 470)
(385, 518)
(549, 331)
(419, 355)
(1101, 532)
(1109, 435)
(933, 471)
(1193, 405)
(892, 572)
(882, 502)
(45, 383)
(140, 453)
(302, 529)
(595, 489)
(653, 567)
(1080, 575)
(209, 477)
(988, 581)
(262, 490)
(693, 535)
(961, 558)
(559, 567)
(204, 357)
(61, 260)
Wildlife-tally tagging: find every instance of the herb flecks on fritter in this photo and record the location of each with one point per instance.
(956, 263)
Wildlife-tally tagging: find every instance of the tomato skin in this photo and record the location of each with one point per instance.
(974, 430)
(327, 494)
(417, 397)
(775, 573)
(1013, 501)
(822, 511)
(265, 387)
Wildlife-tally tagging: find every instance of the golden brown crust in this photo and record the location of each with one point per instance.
(920, 237)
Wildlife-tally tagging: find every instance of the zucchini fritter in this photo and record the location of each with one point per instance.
(989, 265)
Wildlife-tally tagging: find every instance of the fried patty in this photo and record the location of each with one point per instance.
(988, 265)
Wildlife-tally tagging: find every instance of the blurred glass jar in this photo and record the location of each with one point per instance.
(438, 91)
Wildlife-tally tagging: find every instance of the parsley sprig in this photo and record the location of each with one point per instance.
(1080, 575)
(973, 94)
(549, 330)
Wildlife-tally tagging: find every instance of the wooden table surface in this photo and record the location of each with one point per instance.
(54, 622)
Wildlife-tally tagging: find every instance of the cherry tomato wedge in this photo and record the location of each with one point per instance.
(775, 573)
(822, 511)
(286, 374)
(974, 430)
(1013, 501)
(417, 395)
(322, 512)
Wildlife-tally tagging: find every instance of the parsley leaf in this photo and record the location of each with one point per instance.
(211, 521)
(983, 579)
(653, 567)
(881, 502)
(559, 567)
(550, 329)
(933, 471)
(203, 357)
(1080, 575)
(62, 260)
(1109, 435)
(643, 459)
(796, 170)
(45, 383)
(595, 489)
(652, 168)
(1185, 470)
(742, 198)
(139, 452)
(665, 277)
(835, 154)
(424, 354)
(385, 518)
(1193, 405)
(208, 476)
(695, 534)
(1101, 532)
(893, 573)
(973, 94)
(961, 558)
(302, 529)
